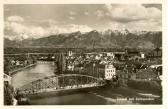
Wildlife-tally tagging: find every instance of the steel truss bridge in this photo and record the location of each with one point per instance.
(61, 82)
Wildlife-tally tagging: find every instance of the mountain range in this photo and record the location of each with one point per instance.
(93, 39)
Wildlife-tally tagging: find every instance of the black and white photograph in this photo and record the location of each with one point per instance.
(82, 54)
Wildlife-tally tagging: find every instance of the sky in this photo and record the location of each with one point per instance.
(42, 20)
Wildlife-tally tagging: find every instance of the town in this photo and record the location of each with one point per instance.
(128, 68)
(83, 54)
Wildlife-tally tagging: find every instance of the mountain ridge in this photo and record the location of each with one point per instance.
(94, 39)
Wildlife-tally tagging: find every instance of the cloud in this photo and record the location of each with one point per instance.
(20, 30)
(86, 13)
(134, 17)
(141, 25)
(52, 22)
(15, 19)
(72, 18)
(128, 13)
(74, 27)
(99, 13)
(72, 13)
(159, 6)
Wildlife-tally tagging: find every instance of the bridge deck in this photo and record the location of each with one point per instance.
(62, 82)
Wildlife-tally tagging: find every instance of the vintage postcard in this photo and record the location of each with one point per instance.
(88, 53)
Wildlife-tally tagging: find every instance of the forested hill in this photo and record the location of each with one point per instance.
(106, 39)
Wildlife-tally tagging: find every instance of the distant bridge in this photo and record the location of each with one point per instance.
(61, 82)
(45, 62)
(30, 54)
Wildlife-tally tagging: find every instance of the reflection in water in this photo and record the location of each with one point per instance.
(72, 99)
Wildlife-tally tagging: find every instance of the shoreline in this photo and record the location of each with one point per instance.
(19, 69)
(61, 92)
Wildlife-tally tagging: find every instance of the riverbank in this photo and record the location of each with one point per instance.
(126, 95)
(119, 96)
(148, 86)
(61, 92)
(20, 69)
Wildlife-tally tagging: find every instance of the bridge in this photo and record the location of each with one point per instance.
(61, 82)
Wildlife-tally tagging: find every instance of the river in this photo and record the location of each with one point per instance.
(32, 73)
(41, 70)
(93, 97)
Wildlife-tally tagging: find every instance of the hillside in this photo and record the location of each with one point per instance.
(106, 39)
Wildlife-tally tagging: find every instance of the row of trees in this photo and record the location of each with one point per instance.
(17, 61)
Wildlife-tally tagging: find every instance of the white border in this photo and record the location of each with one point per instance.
(78, 1)
(165, 49)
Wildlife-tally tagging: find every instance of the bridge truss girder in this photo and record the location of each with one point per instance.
(61, 82)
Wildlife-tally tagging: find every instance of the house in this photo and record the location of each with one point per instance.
(97, 57)
(123, 76)
(110, 71)
(146, 74)
(17, 62)
(119, 56)
(156, 53)
(142, 55)
(132, 54)
(105, 71)
(70, 67)
(110, 54)
(79, 68)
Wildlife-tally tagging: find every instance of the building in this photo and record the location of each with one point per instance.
(119, 56)
(132, 54)
(146, 74)
(142, 55)
(110, 71)
(106, 71)
(70, 53)
(110, 54)
(156, 53)
(123, 77)
(70, 67)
